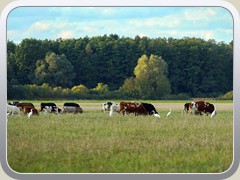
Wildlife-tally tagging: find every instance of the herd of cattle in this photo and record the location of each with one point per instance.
(27, 108)
(194, 108)
(123, 108)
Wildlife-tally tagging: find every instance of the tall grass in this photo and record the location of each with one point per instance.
(93, 142)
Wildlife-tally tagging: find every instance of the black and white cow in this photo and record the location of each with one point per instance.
(106, 106)
(50, 108)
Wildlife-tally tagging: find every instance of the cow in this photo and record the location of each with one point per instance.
(27, 109)
(50, 108)
(187, 107)
(43, 105)
(106, 106)
(130, 107)
(72, 108)
(22, 105)
(13, 110)
(200, 107)
(114, 108)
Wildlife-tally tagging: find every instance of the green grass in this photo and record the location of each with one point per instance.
(92, 142)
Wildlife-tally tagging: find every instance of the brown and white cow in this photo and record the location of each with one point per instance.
(200, 107)
(132, 107)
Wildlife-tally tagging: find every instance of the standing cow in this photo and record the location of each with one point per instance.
(187, 108)
(72, 108)
(106, 106)
(132, 107)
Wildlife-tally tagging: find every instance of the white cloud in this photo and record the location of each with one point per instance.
(66, 34)
(39, 26)
(168, 21)
(199, 14)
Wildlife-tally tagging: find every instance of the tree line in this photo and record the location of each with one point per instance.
(188, 67)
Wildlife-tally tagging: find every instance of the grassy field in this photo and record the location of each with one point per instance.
(92, 142)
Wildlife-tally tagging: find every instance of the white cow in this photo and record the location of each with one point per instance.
(114, 108)
(13, 110)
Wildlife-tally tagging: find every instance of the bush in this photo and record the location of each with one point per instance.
(227, 96)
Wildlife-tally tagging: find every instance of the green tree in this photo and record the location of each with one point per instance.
(151, 75)
(80, 89)
(55, 70)
(102, 88)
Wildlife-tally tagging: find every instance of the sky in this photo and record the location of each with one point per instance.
(153, 22)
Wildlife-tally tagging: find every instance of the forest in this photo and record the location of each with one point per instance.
(109, 66)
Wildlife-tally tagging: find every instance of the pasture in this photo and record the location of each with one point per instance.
(93, 142)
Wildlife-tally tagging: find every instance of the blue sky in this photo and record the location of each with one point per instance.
(74, 22)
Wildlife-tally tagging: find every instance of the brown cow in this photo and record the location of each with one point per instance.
(187, 108)
(27, 109)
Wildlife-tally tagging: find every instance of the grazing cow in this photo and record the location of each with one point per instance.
(43, 105)
(27, 110)
(130, 107)
(106, 106)
(72, 108)
(50, 108)
(200, 107)
(114, 108)
(13, 110)
(22, 105)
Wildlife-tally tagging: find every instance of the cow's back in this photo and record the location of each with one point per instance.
(71, 104)
(22, 105)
